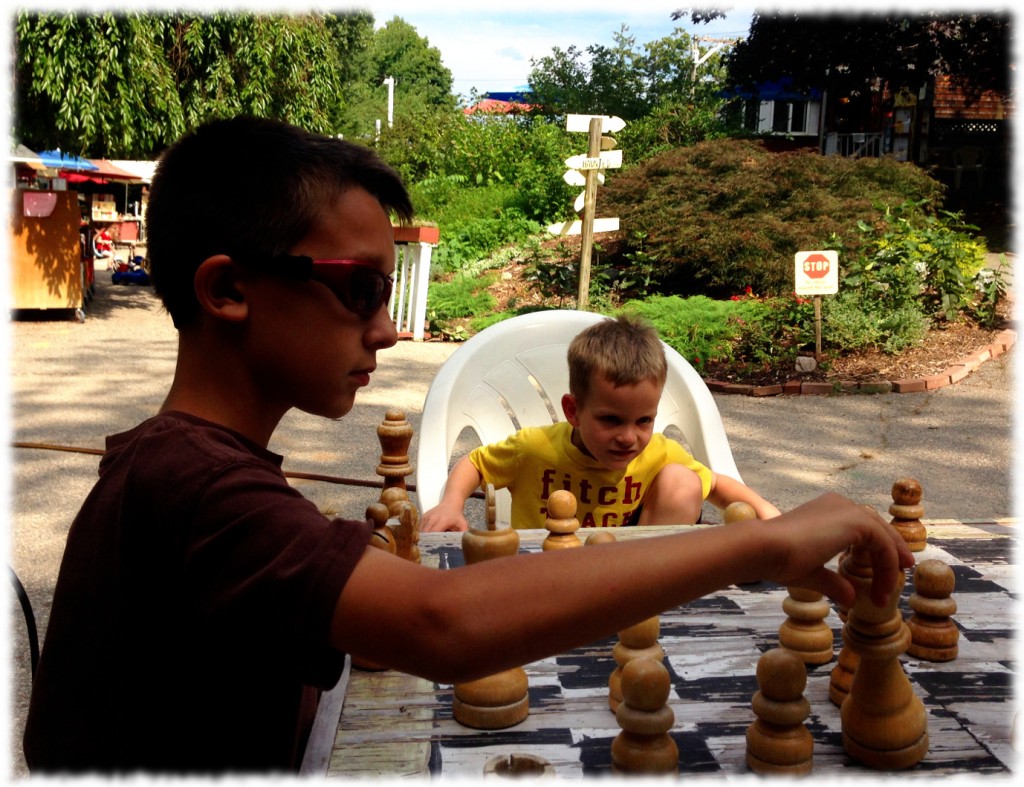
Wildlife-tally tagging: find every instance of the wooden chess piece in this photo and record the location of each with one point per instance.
(382, 538)
(738, 511)
(394, 497)
(846, 665)
(805, 631)
(906, 510)
(561, 521)
(933, 634)
(500, 700)
(637, 641)
(644, 746)
(778, 742)
(395, 435)
(407, 533)
(601, 536)
(884, 724)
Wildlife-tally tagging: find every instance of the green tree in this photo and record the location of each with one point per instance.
(126, 85)
(422, 91)
(849, 54)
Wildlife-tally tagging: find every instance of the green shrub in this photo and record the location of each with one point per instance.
(731, 212)
(462, 296)
(852, 321)
(698, 328)
(910, 258)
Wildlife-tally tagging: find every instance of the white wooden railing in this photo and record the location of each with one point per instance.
(859, 145)
(408, 305)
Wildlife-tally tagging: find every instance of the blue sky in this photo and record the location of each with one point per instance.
(490, 48)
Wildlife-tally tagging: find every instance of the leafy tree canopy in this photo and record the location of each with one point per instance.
(125, 85)
(853, 53)
(624, 79)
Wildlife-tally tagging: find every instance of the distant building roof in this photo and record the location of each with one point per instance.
(498, 107)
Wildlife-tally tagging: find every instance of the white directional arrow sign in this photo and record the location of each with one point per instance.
(576, 178)
(609, 124)
(576, 227)
(580, 201)
(609, 159)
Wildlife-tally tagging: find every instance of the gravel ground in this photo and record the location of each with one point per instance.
(72, 384)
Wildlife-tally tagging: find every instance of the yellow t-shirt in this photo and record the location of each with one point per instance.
(536, 461)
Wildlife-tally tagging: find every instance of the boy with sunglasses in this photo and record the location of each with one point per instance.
(202, 602)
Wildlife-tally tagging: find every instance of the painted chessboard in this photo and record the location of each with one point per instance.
(394, 724)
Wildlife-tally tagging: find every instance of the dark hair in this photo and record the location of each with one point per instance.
(247, 186)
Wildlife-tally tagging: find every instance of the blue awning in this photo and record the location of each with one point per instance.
(56, 159)
(774, 90)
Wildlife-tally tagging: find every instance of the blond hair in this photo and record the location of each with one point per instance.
(625, 350)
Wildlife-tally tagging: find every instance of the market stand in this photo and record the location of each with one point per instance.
(58, 205)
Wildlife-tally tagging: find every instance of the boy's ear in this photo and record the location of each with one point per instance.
(217, 291)
(569, 408)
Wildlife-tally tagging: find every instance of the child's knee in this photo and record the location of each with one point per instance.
(676, 497)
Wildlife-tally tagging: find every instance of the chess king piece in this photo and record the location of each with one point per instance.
(561, 521)
(805, 631)
(906, 510)
(394, 434)
(778, 742)
(884, 724)
(644, 746)
(637, 641)
(500, 700)
(933, 634)
(842, 674)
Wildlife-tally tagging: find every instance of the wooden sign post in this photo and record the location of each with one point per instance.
(587, 171)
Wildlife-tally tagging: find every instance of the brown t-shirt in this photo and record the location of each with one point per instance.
(189, 624)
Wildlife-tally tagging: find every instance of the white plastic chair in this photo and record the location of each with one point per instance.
(514, 373)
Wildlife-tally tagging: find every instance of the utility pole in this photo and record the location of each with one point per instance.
(699, 59)
(390, 82)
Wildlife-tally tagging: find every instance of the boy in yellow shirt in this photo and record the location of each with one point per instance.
(606, 452)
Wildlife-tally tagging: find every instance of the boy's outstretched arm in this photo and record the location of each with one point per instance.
(463, 480)
(726, 489)
(464, 623)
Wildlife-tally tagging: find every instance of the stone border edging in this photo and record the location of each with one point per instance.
(1000, 345)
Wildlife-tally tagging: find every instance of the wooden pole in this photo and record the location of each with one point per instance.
(817, 328)
(589, 208)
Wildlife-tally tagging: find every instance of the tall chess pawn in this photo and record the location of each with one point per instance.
(778, 742)
(395, 435)
(637, 641)
(884, 724)
(500, 700)
(644, 746)
(906, 510)
(561, 521)
(933, 634)
(805, 631)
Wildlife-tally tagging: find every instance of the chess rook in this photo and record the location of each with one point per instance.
(637, 641)
(884, 724)
(906, 511)
(644, 746)
(805, 631)
(933, 634)
(778, 742)
(561, 521)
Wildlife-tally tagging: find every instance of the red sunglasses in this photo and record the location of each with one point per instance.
(360, 286)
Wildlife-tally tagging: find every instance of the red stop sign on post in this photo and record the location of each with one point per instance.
(816, 273)
(817, 266)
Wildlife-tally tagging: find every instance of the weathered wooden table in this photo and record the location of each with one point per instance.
(392, 724)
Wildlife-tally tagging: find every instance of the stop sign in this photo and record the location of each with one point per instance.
(817, 266)
(816, 272)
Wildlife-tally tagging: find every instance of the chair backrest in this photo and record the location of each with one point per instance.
(30, 618)
(514, 373)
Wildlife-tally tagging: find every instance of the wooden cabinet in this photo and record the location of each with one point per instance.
(46, 260)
